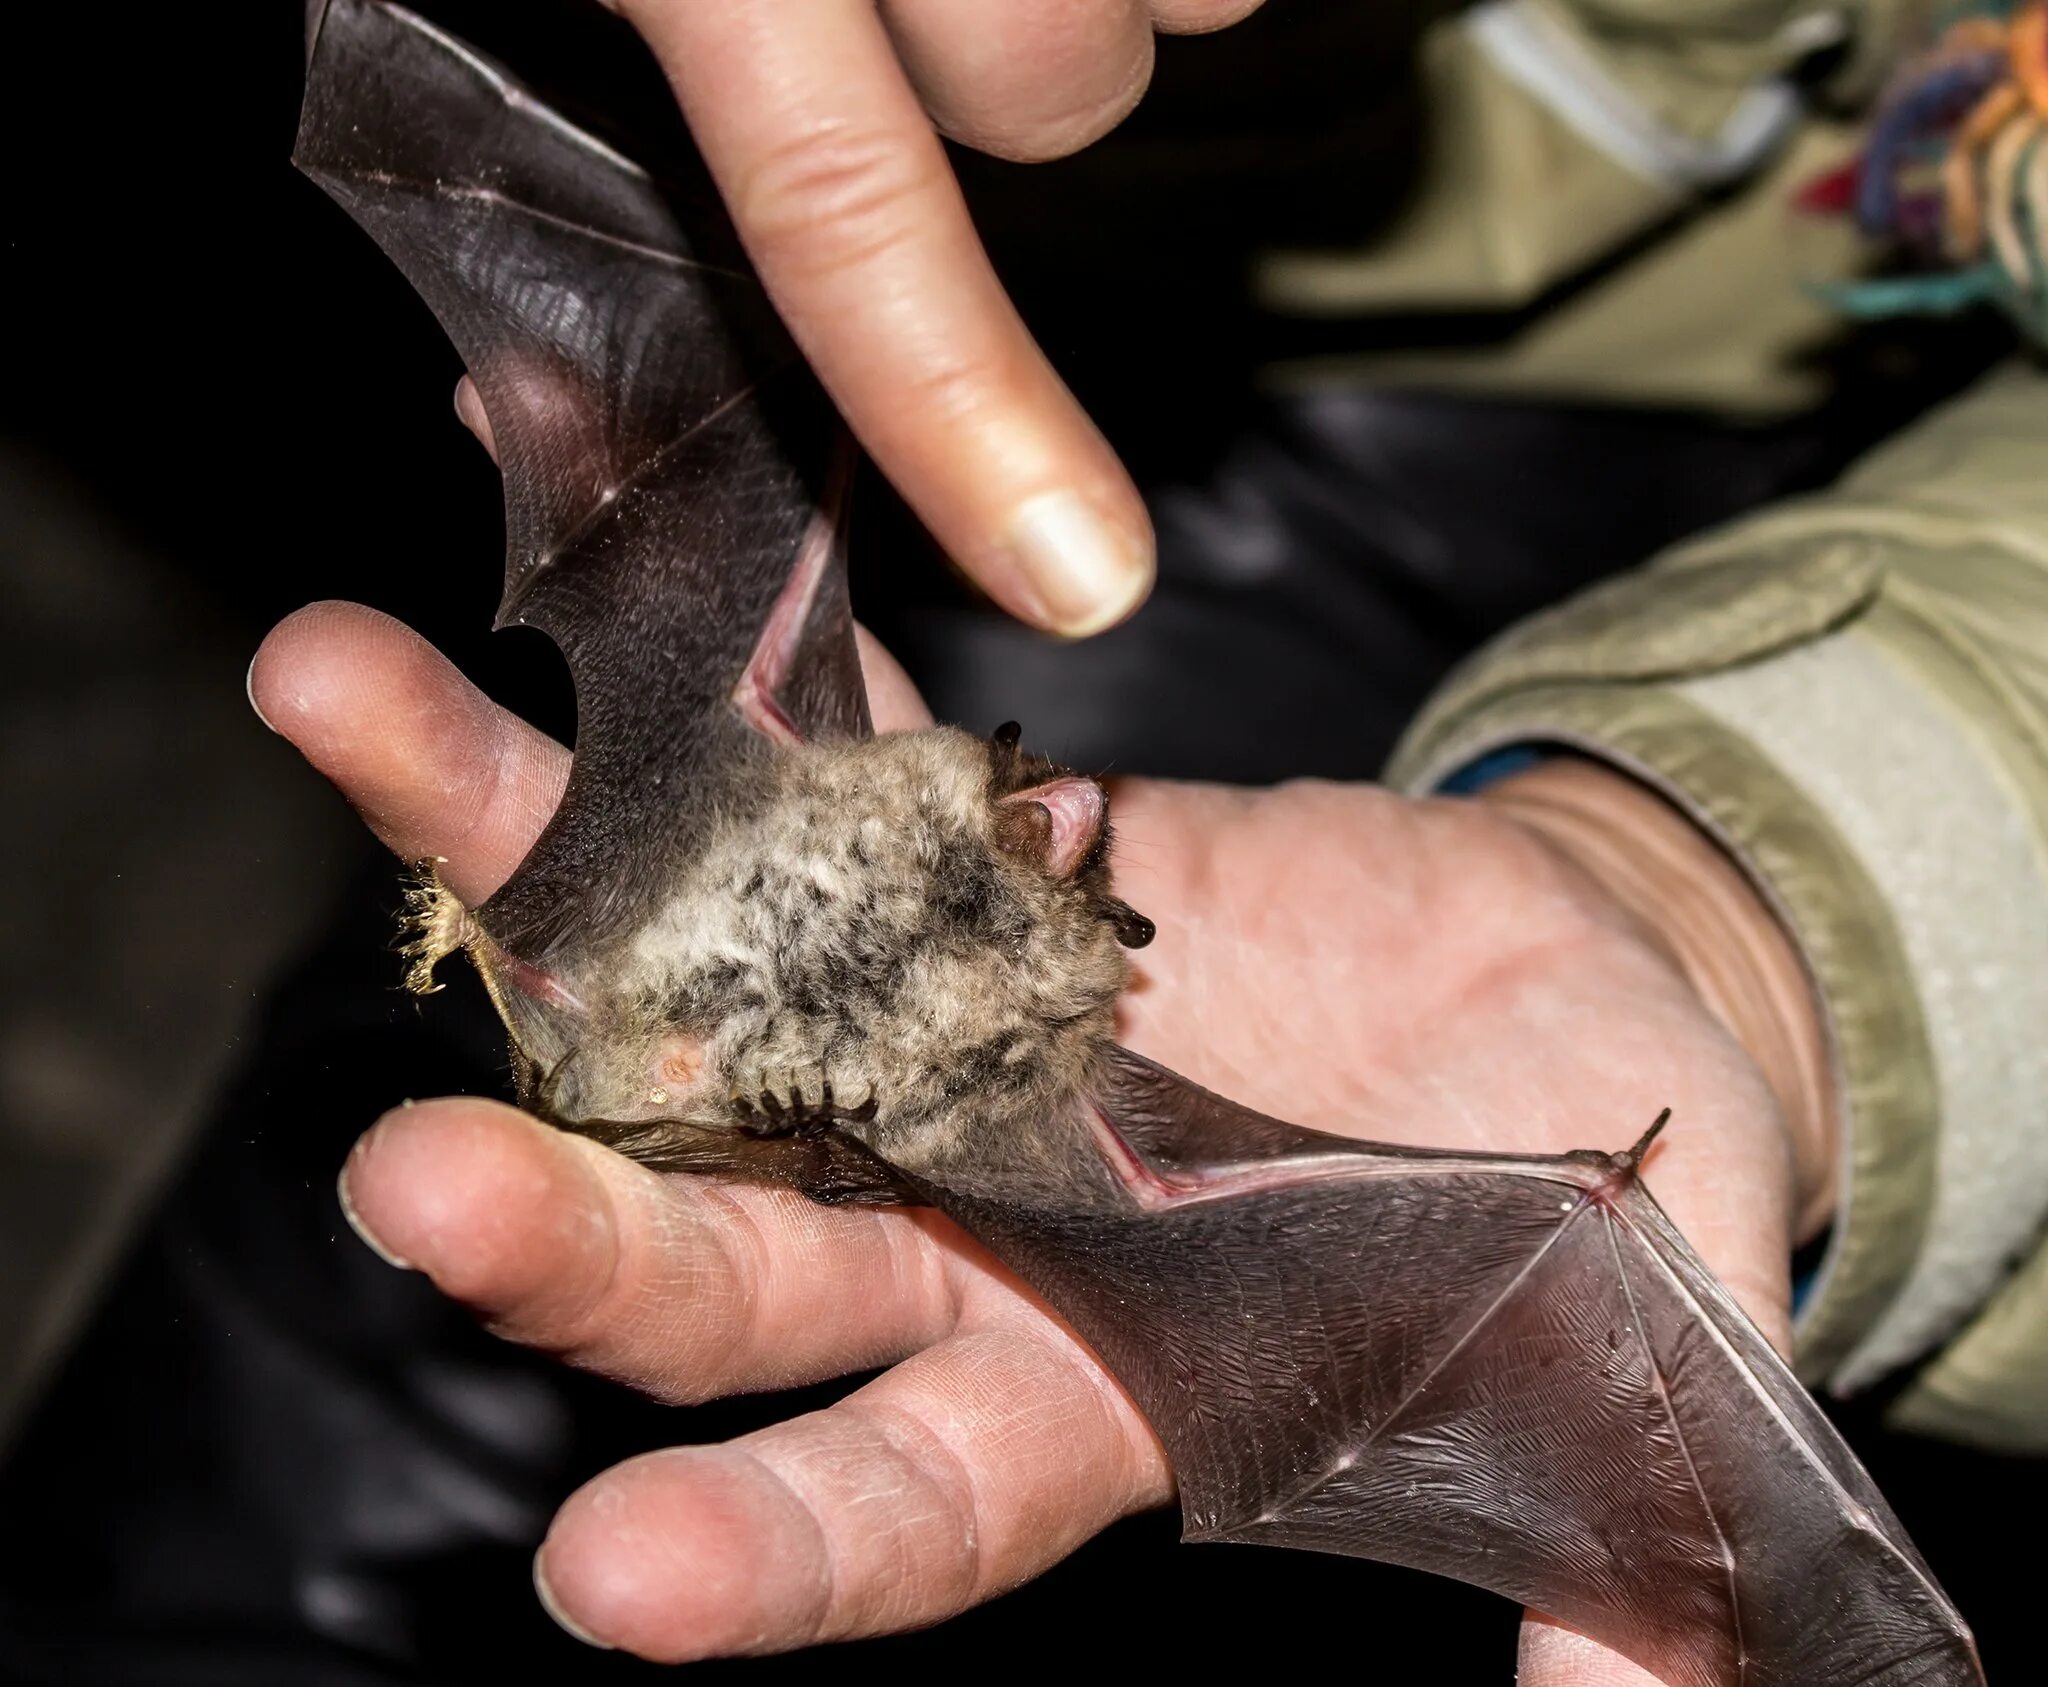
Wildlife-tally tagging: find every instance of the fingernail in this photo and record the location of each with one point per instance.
(549, 1604)
(249, 688)
(1087, 575)
(355, 1223)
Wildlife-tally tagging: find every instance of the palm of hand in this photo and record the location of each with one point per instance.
(1420, 973)
(1432, 973)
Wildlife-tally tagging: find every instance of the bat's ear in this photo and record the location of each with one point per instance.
(1061, 826)
(1057, 822)
(1057, 825)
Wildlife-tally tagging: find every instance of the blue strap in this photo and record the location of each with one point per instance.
(1495, 764)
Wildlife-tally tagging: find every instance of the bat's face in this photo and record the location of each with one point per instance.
(905, 937)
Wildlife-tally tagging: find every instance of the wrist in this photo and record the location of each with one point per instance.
(1714, 926)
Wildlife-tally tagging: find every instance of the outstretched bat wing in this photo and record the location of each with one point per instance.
(1512, 1370)
(668, 518)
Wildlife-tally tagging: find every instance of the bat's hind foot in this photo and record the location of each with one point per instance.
(788, 1098)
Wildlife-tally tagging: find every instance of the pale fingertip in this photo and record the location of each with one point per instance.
(1087, 574)
(469, 407)
(1551, 1655)
(368, 1237)
(688, 1553)
(434, 768)
(553, 1606)
(483, 1200)
(893, 697)
(249, 690)
(309, 669)
(276, 670)
(1024, 81)
(1199, 17)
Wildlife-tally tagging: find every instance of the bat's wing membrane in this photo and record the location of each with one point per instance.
(668, 517)
(1508, 1369)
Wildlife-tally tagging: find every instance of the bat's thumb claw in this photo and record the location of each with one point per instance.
(1632, 1159)
(434, 925)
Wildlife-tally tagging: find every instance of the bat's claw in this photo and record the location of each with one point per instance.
(850, 1111)
(790, 1098)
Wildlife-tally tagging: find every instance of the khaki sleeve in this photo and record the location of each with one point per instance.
(1607, 183)
(1850, 692)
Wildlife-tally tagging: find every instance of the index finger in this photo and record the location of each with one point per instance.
(843, 196)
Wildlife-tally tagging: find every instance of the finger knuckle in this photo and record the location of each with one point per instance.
(705, 1302)
(944, 1546)
(956, 387)
(833, 195)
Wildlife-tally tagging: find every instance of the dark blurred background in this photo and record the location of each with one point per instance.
(233, 1446)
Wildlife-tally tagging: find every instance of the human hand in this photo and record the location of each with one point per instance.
(820, 121)
(1434, 972)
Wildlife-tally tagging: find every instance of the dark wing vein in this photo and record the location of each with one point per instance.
(1507, 1293)
(1885, 1666)
(601, 511)
(1635, 1313)
(510, 93)
(1792, 1430)
(492, 196)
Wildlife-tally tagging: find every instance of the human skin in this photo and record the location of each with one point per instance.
(1538, 970)
(821, 122)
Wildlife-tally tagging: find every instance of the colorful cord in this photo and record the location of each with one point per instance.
(1954, 175)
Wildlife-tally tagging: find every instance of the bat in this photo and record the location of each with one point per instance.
(758, 939)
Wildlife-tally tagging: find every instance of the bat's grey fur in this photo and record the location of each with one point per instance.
(881, 939)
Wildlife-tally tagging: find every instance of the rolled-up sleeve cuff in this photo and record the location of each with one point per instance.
(1770, 693)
